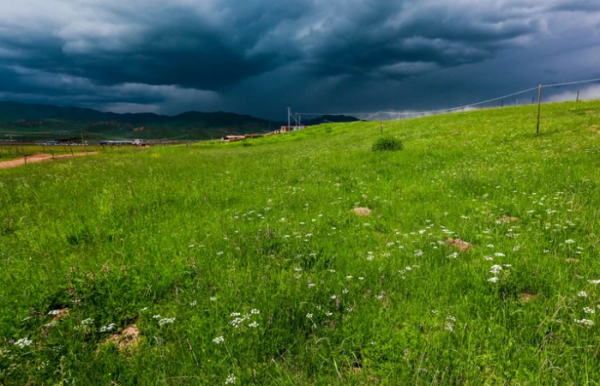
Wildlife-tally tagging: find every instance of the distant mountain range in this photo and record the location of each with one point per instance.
(329, 119)
(37, 121)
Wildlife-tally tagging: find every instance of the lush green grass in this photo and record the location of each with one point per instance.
(199, 233)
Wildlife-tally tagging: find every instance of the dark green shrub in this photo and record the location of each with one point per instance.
(388, 143)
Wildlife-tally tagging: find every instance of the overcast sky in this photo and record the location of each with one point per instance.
(259, 56)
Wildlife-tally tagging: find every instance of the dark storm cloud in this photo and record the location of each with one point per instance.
(226, 53)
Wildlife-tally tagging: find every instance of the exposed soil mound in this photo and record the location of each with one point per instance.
(461, 245)
(362, 211)
(126, 339)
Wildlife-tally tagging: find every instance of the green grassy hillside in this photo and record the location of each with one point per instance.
(244, 263)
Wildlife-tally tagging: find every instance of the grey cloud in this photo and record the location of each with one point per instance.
(216, 53)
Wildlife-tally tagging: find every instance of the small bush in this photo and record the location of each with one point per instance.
(388, 144)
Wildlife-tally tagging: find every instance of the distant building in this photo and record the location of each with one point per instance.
(68, 140)
(233, 138)
(287, 129)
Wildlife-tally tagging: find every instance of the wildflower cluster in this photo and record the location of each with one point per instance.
(239, 319)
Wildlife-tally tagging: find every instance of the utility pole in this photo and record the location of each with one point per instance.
(83, 142)
(577, 96)
(289, 116)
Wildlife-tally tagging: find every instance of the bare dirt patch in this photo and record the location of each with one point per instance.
(38, 158)
(62, 313)
(527, 297)
(129, 338)
(461, 245)
(508, 219)
(362, 211)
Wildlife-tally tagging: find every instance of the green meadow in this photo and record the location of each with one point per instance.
(246, 263)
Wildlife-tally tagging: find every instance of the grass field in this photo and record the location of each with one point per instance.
(244, 263)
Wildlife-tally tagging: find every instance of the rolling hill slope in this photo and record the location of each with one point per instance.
(247, 262)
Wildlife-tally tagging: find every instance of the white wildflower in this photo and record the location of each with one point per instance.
(23, 342)
(164, 321)
(107, 328)
(588, 310)
(230, 380)
(585, 322)
(582, 294)
(493, 280)
(219, 340)
(253, 325)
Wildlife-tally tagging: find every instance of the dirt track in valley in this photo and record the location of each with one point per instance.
(38, 158)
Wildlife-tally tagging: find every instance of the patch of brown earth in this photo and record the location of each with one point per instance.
(590, 112)
(362, 211)
(38, 158)
(62, 313)
(508, 219)
(129, 338)
(461, 245)
(526, 297)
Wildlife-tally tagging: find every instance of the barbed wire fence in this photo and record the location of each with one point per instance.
(386, 115)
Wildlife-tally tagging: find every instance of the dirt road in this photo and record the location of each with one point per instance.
(37, 158)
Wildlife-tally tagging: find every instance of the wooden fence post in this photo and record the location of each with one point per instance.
(539, 108)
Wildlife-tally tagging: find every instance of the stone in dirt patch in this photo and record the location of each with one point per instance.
(362, 211)
(461, 245)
